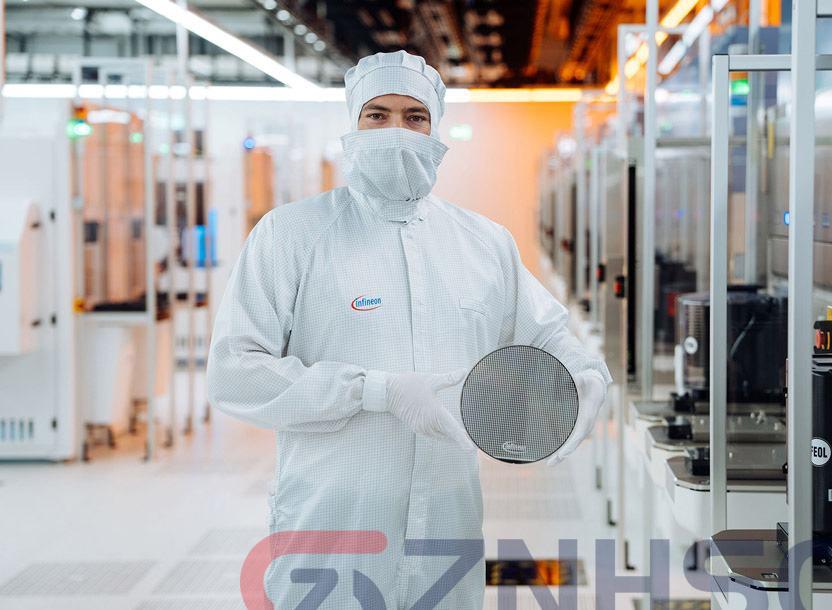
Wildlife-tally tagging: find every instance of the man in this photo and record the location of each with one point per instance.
(347, 326)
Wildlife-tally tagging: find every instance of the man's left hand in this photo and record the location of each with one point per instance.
(592, 391)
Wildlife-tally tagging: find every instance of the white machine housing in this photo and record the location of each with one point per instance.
(19, 251)
(39, 415)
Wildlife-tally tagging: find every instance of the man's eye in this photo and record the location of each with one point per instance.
(376, 116)
(417, 118)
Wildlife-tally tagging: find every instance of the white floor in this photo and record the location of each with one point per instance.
(118, 532)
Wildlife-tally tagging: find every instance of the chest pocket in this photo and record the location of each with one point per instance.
(476, 327)
(476, 305)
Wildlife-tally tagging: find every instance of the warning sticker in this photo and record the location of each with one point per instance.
(821, 452)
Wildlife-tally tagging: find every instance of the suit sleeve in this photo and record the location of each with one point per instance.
(534, 317)
(249, 374)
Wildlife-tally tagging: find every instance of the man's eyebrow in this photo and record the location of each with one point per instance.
(376, 107)
(421, 109)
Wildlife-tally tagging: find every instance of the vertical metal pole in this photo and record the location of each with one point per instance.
(190, 207)
(601, 214)
(621, 402)
(702, 238)
(76, 236)
(801, 205)
(580, 206)
(209, 239)
(704, 77)
(702, 201)
(2, 54)
(622, 117)
(594, 228)
(557, 220)
(719, 293)
(684, 220)
(173, 238)
(648, 216)
(752, 167)
(648, 248)
(565, 194)
(150, 271)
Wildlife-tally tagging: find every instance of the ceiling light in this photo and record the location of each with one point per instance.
(279, 94)
(673, 57)
(245, 51)
(678, 12)
(553, 94)
(283, 15)
(697, 25)
(269, 5)
(310, 37)
(319, 45)
(300, 29)
(78, 13)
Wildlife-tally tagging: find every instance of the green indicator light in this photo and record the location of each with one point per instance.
(136, 137)
(740, 86)
(76, 128)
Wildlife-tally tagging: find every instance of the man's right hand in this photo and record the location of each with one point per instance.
(413, 398)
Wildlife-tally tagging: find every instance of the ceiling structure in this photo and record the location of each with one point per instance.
(473, 43)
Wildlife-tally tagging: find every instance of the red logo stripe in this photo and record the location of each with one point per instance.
(362, 308)
(314, 542)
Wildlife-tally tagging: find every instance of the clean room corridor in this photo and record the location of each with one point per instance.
(172, 535)
(415, 305)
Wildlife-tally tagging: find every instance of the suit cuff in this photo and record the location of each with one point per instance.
(597, 375)
(374, 397)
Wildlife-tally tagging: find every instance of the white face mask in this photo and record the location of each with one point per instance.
(391, 163)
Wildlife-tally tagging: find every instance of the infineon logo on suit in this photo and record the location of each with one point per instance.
(365, 303)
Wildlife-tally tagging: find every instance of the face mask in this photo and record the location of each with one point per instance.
(391, 163)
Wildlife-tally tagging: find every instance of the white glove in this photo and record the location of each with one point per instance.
(413, 398)
(592, 391)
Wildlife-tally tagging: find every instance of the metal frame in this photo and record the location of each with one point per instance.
(594, 231)
(647, 281)
(803, 64)
(720, 122)
(624, 30)
(171, 218)
(148, 317)
(648, 212)
(580, 200)
(801, 269)
(752, 170)
(150, 270)
(189, 251)
(2, 52)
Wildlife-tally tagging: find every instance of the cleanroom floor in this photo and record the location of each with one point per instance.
(118, 532)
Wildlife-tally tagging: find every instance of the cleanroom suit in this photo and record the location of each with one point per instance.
(334, 295)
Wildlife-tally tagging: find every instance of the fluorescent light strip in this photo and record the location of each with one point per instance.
(525, 95)
(698, 25)
(673, 57)
(267, 94)
(203, 28)
(273, 94)
(671, 19)
(692, 33)
(54, 91)
(678, 12)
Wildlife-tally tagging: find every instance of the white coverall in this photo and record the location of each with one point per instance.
(328, 290)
